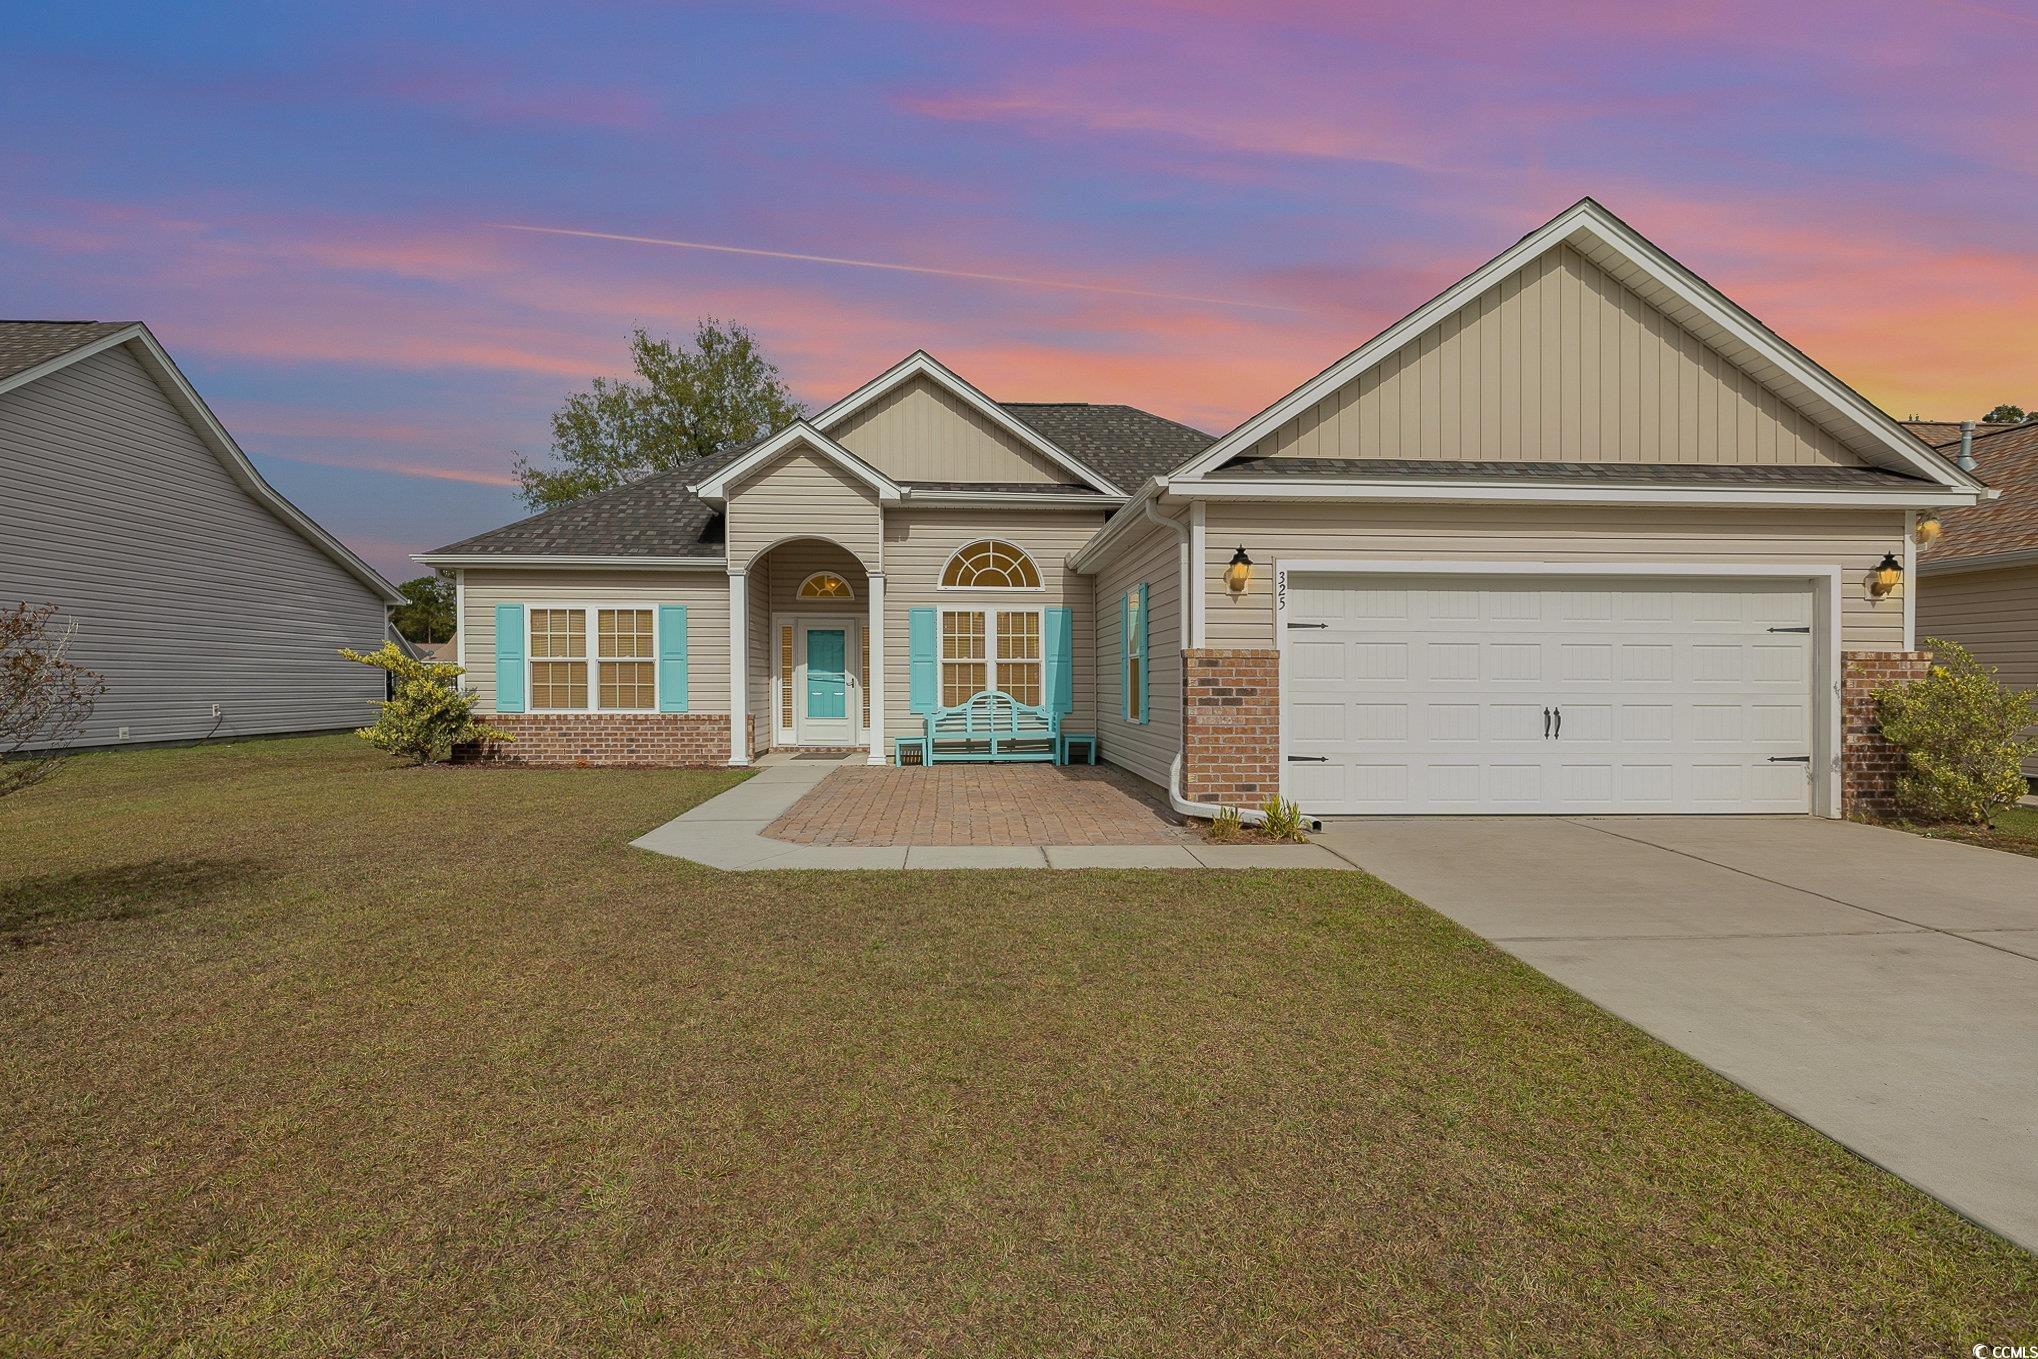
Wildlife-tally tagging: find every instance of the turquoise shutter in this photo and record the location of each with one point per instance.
(509, 658)
(672, 658)
(1145, 661)
(921, 689)
(1059, 641)
(1125, 655)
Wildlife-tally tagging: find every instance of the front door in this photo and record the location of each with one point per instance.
(823, 687)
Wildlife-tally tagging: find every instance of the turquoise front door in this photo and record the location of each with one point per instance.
(827, 675)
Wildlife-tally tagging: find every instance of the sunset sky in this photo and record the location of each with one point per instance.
(1187, 207)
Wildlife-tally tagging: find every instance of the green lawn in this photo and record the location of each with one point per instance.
(2015, 830)
(301, 1054)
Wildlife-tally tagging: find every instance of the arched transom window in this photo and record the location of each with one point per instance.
(826, 585)
(993, 565)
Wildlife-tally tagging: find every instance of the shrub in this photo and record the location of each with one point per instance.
(1226, 825)
(428, 713)
(1283, 819)
(45, 697)
(1961, 734)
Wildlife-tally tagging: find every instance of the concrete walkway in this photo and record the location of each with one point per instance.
(728, 832)
(1874, 984)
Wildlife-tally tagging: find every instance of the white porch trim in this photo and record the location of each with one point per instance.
(739, 680)
(875, 630)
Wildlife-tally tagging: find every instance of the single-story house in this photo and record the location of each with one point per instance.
(1577, 535)
(1978, 583)
(211, 605)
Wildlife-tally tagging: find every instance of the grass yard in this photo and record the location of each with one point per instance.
(2015, 830)
(302, 1054)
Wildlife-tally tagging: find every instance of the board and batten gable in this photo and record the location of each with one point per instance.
(1559, 362)
(921, 431)
(1852, 540)
(799, 494)
(705, 593)
(1148, 749)
(184, 590)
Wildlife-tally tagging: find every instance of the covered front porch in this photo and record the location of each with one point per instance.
(807, 652)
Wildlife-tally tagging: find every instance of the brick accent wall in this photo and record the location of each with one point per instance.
(590, 740)
(1231, 725)
(1868, 763)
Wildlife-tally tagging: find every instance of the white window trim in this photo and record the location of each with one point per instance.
(804, 598)
(963, 547)
(589, 617)
(990, 609)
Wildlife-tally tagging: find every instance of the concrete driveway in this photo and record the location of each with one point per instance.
(1879, 986)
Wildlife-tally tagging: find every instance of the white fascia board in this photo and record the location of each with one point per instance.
(1477, 492)
(474, 559)
(156, 361)
(999, 499)
(920, 363)
(1087, 559)
(1590, 219)
(1986, 562)
(717, 486)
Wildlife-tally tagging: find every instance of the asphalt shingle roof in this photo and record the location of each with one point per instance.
(1708, 474)
(2008, 461)
(1939, 433)
(656, 516)
(24, 344)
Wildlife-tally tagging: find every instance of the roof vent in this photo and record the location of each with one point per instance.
(1967, 445)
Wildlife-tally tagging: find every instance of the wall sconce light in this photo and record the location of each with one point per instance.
(1239, 574)
(1928, 530)
(1887, 575)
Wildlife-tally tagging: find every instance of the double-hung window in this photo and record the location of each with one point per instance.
(990, 649)
(1132, 649)
(593, 659)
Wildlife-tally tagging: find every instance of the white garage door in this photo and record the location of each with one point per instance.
(1417, 694)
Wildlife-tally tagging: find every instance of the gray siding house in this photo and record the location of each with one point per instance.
(212, 605)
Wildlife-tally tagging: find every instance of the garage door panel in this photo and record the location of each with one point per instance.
(1673, 696)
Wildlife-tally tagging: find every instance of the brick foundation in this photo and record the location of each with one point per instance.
(1869, 764)
(1231, 725)
(614, 740)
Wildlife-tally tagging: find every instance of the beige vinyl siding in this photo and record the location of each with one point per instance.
(919, 431)
(1853, 540)
(801, 493)
(786, 567)
(705, 594)
(918, 544)
(1559, 362)
(1147, 749)
(1994, 614)
(184, 590)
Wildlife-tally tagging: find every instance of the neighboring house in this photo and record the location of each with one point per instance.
(1979, 583)
(1578, 535)
(210, 604)
(437, 653)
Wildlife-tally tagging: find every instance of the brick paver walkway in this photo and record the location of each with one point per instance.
(980, 804)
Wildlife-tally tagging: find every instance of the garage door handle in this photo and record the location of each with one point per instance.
(1309, 625)
(1309, 759)
(1790, 759)
(1546, 724)
(1803, 629)
(1560, 724)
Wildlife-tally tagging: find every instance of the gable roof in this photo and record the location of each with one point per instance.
(921, 364)
(1639, 265)
(32, 350)
(2001, 530)
(717, 482)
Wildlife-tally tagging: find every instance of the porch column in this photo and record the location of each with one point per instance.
(739, 652)
(876, 628)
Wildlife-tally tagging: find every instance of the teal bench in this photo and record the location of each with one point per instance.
(992, 727)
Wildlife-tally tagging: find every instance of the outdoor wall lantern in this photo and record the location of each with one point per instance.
(1239, 574)
(1887, 575)
(1927, 530)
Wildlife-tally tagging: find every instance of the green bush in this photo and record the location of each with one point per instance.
(1227, 825)
(1283, 819)
(1961, 734)
(428, 714)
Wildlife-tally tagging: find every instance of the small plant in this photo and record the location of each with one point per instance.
(1960, 731)
(428, 713)
(1283, 819)
(45, 697)
(1227, 825)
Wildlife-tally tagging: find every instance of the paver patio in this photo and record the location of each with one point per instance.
(979, 805)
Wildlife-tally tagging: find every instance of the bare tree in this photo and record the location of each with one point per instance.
(45, 698)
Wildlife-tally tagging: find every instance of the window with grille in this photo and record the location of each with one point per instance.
(991, 565)
(593, 659)
(985, 649)
(626, 653)
(825, 585)
(558, 660)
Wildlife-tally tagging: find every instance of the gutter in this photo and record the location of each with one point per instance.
(1208, 810)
